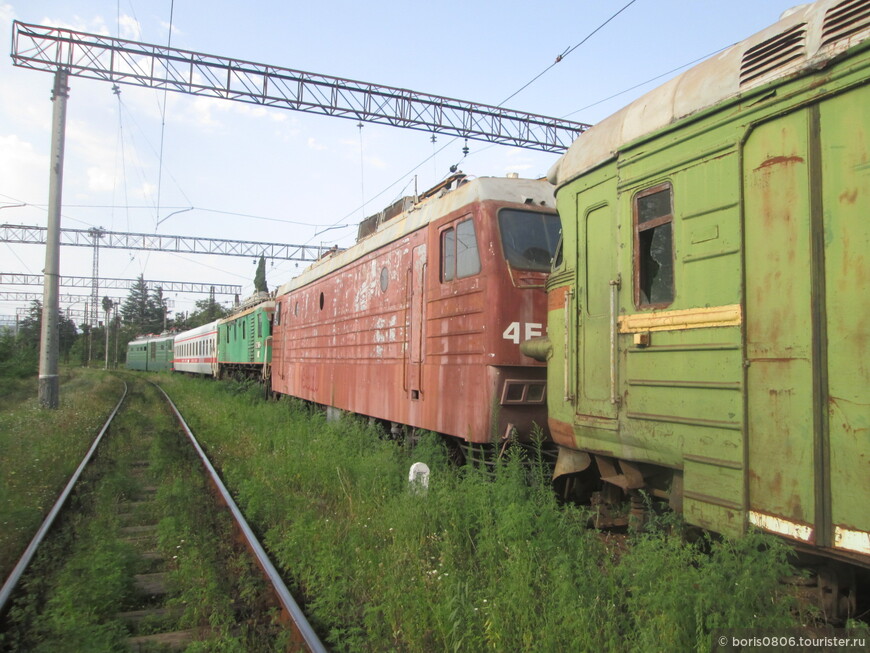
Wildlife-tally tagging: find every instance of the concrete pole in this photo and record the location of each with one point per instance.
(49, 383)
(106, 326)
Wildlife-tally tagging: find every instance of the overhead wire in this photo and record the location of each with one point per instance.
(561, 57)
(163, 120)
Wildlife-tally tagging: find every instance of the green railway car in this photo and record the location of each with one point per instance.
(150, 353)
(708, 311)
(245, 342)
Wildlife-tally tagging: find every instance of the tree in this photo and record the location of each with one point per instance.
(207, 310)
(260, 277)
(142, 310)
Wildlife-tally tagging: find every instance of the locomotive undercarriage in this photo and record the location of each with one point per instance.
(622, 493)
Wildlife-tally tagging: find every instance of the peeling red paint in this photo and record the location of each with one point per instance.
(780, 160)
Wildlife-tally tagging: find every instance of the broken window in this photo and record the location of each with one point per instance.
(459, 256)
(654, 247)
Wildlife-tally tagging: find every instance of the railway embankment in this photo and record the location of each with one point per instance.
(482, 559)
(141, 557)
(478, 561)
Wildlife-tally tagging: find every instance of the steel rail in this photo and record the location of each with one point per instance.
(288, 603)
(30, 551)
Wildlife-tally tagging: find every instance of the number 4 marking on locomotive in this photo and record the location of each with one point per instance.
(514, 330)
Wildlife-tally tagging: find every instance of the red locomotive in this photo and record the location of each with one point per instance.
(420, 322)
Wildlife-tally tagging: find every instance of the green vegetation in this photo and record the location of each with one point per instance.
(40, 449)
(83, 578)
(477, 562)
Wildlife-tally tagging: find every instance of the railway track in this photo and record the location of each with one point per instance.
(164, 562)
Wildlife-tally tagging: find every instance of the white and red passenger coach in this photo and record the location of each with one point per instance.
(195, 351)
(420, 322)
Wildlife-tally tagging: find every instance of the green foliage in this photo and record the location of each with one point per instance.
(260, 277)
(207, 310)
(143, 310)
(39, 450)
(479, 561)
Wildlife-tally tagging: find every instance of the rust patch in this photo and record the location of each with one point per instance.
(562, 433)
(780, 160)
(849, 197)
(556, 298)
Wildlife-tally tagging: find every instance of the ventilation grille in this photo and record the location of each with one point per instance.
(844, 20)
(773, 53)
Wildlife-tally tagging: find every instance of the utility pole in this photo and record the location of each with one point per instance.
(49, 383)
(107, 310)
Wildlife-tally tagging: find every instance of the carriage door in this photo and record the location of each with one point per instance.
(416, 287)
(596, 303)
(807, 197)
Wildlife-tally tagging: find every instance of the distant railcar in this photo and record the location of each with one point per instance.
(419, 324)
(150, 353)
(708, 312)
(244, 340)
(196, 350)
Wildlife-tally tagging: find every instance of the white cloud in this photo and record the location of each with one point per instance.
(7, 13)
(130, 28)
(314, 145)
(147, 191)
(100, 179)
(23, 171)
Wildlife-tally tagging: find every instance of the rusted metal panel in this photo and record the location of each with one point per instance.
(845, 188)
(380, 332)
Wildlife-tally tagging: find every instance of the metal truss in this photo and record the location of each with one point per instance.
(10, 233)
(141, 64)
(13, 279)
(11, 296)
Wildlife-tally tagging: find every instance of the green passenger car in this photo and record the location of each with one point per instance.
(150, 354)
(708, 312)
(245, 342)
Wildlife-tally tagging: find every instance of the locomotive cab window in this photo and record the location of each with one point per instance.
(529, 238)
(459, 256)
(654, 247)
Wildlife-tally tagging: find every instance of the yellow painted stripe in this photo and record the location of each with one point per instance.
(692, 318)
(782, 526)
(846, 538)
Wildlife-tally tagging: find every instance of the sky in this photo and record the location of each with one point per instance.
(267, 174)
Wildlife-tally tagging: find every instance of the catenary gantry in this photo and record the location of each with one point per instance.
(129, 62)
(10, 233)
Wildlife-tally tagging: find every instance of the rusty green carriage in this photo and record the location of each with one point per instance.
(245, 340)
(150, 353)
(708, 313)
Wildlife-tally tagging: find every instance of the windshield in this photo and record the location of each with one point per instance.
(529, 238)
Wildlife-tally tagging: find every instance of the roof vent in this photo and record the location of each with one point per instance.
(844, 20)
(773, 54)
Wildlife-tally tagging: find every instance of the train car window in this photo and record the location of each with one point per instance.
(448, 254)
(654, 247)
(385, 279)
(529, 238)
(459, 255)
(277, 318)
(243, 329)
(467, 258)
(259, 318)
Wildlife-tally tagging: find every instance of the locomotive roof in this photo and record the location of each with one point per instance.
(150, 337)
(804, 37)
(532, 192)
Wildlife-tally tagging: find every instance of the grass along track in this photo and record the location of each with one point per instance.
(143, 558)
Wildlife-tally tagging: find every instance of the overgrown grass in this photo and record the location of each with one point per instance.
(478, 562)
(82, 574)
(40, 449)
(216, 585)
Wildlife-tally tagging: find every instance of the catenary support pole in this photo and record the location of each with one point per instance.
(49, 383)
